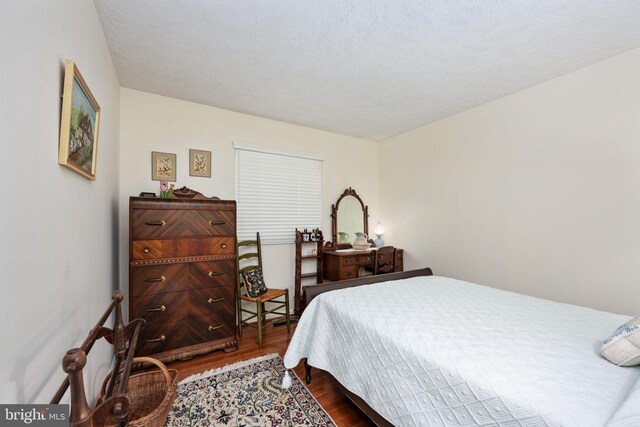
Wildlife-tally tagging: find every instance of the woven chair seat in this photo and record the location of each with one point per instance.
(266, 297)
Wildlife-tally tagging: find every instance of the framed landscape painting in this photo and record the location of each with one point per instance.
(200, 163)
(79, 125)
(163, 166)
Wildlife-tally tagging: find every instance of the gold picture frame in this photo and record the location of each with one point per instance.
(163, 166)
(79, 124)
(200, 163)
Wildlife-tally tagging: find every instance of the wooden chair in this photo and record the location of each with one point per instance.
(249, 257)
(385, 260)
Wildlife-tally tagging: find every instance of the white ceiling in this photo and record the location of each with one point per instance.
(369, 68)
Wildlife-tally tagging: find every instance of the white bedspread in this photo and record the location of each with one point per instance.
(433, 351)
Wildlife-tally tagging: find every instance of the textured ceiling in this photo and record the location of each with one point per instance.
(371, 69)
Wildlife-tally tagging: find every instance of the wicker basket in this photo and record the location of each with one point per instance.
(151, 394)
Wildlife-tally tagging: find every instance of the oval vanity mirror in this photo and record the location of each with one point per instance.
(350, 219)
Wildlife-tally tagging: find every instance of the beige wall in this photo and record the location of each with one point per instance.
(58, 230)
(155, 123)
(537, 192)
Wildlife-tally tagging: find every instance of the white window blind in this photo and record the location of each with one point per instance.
(277, 191)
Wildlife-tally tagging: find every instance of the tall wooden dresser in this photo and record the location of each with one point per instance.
(182, 274)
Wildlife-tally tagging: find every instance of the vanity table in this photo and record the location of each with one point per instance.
(344, 264)
(350, 217)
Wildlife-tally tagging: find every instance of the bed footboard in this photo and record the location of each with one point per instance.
(311, 291)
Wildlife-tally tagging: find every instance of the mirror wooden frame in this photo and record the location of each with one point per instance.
(334, 219)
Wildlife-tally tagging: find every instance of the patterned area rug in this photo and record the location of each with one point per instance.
(247, 393)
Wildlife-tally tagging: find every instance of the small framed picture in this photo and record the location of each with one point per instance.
(305, 237)
(200, 163)
(163, 166)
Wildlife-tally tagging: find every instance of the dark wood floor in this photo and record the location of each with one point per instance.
(275, 340)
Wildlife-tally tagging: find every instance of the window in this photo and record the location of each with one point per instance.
(277, 191)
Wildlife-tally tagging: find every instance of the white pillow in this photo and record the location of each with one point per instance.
(623, 346)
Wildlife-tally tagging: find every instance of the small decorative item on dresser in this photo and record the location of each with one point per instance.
(361, 242)
(200, 163)
(163, 166)
(166, 190)
(379, 231)
(79, 125)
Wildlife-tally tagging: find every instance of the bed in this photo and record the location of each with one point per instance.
(423, 350)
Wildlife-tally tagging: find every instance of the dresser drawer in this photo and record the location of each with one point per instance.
(160, 337)
(174, 306)
(164, 223)
(161, 308)
(350, 272)
(358, 260)
(365, 260)
(220, 301)
(348, 261)
(178, 248)
(159, 279)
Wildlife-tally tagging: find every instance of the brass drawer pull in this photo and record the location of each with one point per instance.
(213, 328)
(155, 279)
(213, 222)
(211, 300)
(161, 308)
(146, 250)
(217, 273)
(159, 223)
(162, 338)
(223, 246)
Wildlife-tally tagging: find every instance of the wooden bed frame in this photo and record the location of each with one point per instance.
(312, 291)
